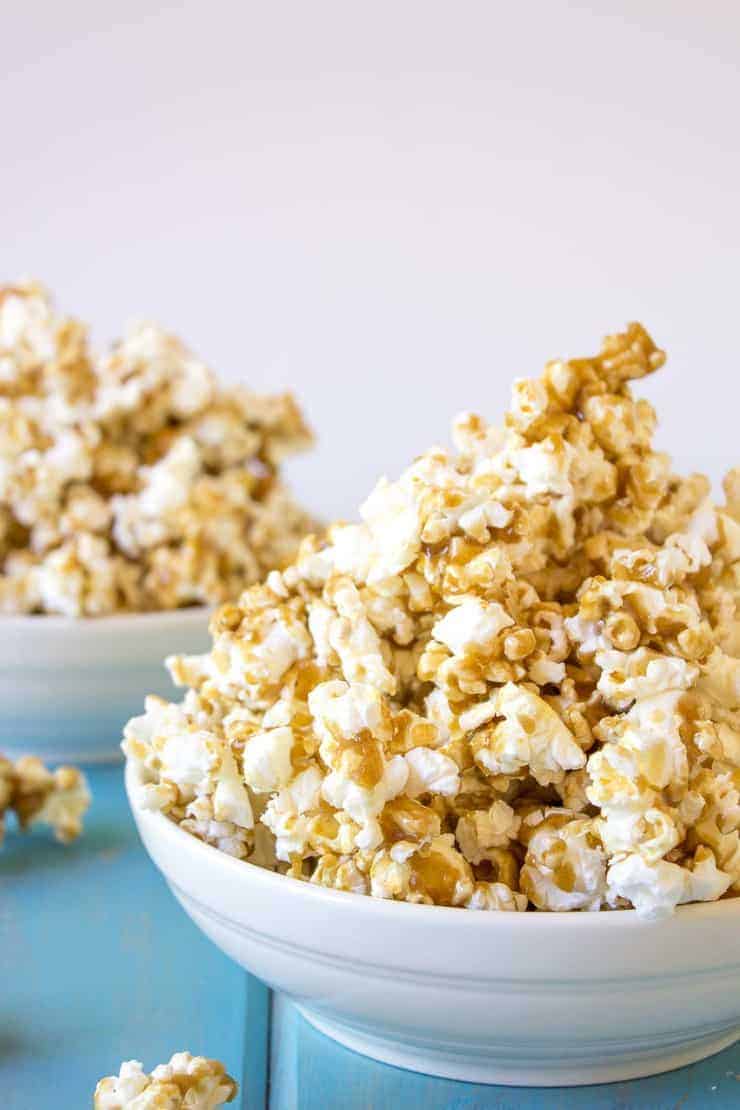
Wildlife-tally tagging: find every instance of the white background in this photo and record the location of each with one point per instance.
(392, 208)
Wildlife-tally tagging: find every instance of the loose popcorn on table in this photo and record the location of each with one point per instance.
(185, 1083)
(131, 480)
(514, 685)
(38, 796)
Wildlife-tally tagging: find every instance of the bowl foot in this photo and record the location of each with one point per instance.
(488, 1064)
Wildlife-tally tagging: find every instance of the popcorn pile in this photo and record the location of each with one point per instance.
(38, 796)
(514, 685)
(186, 1083)
(132, 481)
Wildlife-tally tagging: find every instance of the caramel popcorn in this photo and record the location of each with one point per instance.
(131, 480)
(185, 1083)
(514, 685)
(38, 796)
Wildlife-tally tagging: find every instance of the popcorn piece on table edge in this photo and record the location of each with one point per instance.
(185, 1083)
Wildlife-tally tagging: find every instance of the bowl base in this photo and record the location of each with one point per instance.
(608, 1065)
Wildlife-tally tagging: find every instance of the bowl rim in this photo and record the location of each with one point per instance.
(238, 870)
(57, 622)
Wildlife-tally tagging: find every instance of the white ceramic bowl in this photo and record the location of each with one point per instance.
(534, 999)
(67, 686)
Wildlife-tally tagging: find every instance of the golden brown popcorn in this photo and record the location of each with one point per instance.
(515, 683)
(38, 796)
(185, 1083)
(132, 481)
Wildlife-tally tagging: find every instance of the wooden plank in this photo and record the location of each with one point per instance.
(256, 1067)
(284, 1055)
(99, 964)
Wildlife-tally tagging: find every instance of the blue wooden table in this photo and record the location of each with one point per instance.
(99, 964)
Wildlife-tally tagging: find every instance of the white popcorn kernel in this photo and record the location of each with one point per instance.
(431, 772)
(473, 624)
(478, 715)
(644, 746)
(370, 836)
(654, 889)
(640, 674)
(267, 760)
(356, 643)
(529, 401)
(363, 803)
(706, 883)
(477, 520)
(166, 485)
(653, 833)
(340, 709)
(564, 866)
(544, 467)
(439, 712)
(320, 620)
(392, 517)
(304, 790)
(531, 735)
(264, 662)
(389, 878)
(497, 897)
(588, 635)
(117, 1092)
(546, 672)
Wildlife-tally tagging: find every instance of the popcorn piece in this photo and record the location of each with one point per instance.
(431, 772)
(38, 796)
(530, 736)
(626, 676)
(132, 481)
(364, 803)
(287, 815)
(435, 874)
(482, 830)
(656, 889)
(185, 1083)
(473, 624)
(266, 760)
(514, 684)
(192, 761)
(564, 866)
(496, 896)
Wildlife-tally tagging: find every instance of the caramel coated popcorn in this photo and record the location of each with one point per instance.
(38, 796)
(514, 685)
(185, 1083)
(132, 481)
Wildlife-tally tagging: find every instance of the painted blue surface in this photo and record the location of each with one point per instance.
(99, 964)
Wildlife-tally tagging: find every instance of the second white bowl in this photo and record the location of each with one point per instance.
(67, 686)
